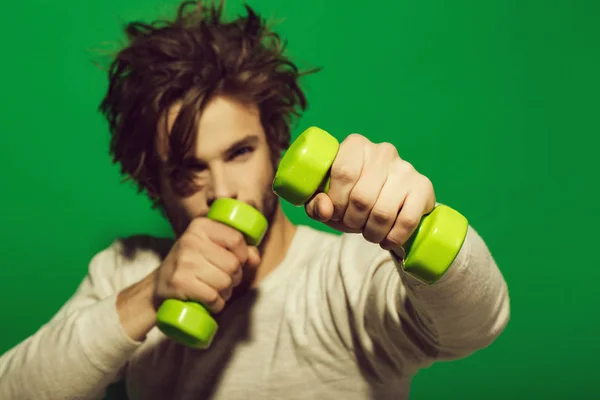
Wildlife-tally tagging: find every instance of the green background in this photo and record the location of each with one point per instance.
(495, 101)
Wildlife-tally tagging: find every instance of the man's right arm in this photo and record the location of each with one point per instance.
(83, 348)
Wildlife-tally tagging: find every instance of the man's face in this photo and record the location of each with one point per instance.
(233, 160)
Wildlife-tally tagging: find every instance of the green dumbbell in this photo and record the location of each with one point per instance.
(190, 323)
(304, 171)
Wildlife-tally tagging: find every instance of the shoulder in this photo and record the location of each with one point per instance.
(136, 247)
(128, 259)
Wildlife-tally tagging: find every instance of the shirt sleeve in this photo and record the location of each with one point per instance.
(403, 324)
(80, 351)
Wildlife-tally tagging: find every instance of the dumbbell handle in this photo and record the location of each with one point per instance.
(190, 323)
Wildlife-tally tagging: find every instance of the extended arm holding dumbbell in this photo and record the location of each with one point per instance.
(458, 302)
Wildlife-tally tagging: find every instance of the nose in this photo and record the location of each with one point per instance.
(220, 187)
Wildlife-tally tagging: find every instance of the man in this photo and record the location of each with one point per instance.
(200, 109)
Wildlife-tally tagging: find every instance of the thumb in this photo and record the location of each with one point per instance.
(253, 257)
(320, 207)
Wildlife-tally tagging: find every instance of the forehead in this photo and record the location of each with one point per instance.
(223, 122)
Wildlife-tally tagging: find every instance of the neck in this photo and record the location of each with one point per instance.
(273, 248)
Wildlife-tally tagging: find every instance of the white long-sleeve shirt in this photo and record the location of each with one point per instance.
(338, 317)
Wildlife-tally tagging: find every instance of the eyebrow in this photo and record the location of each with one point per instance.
(249, 140)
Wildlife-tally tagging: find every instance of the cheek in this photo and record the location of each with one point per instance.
(180, 208)
(255, 176)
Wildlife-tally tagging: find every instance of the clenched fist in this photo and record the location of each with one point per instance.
(375, 192)
(204, 265)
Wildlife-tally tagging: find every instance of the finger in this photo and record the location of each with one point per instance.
(406, 223)
(385, 211)
(237, 277)
(222, 258)
(203, 293)
(231, 239)
(320, 207)
(224, 235)
(364, 194)
(254, 258)
(226, 293)
(216, 278)
(345, 171)
(215, 303)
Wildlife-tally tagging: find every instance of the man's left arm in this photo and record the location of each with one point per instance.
(376, 193)
(464, 311)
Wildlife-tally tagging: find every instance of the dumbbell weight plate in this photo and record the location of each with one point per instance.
(304, 167)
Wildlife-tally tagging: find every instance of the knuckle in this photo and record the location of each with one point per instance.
(212, 297)
(410, 221)
(403, 166)
(184, 259)
(360, 201)
(392, 240)
(382, 216)
(226, 283)
(427, 184)
(387, 149)
(218, 307)
(186, 242)
(232, 266)
(426, 181)
(355, 138)
(197, 224)
(344, 173)
(178, 281)
(236, 239)
(409, 166)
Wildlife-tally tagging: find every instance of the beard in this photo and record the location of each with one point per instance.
(267, 206)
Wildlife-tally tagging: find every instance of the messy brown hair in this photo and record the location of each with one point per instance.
(189, 60)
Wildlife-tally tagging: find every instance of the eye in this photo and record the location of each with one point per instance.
(198, 168)
(195, 167)
(241, 151)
